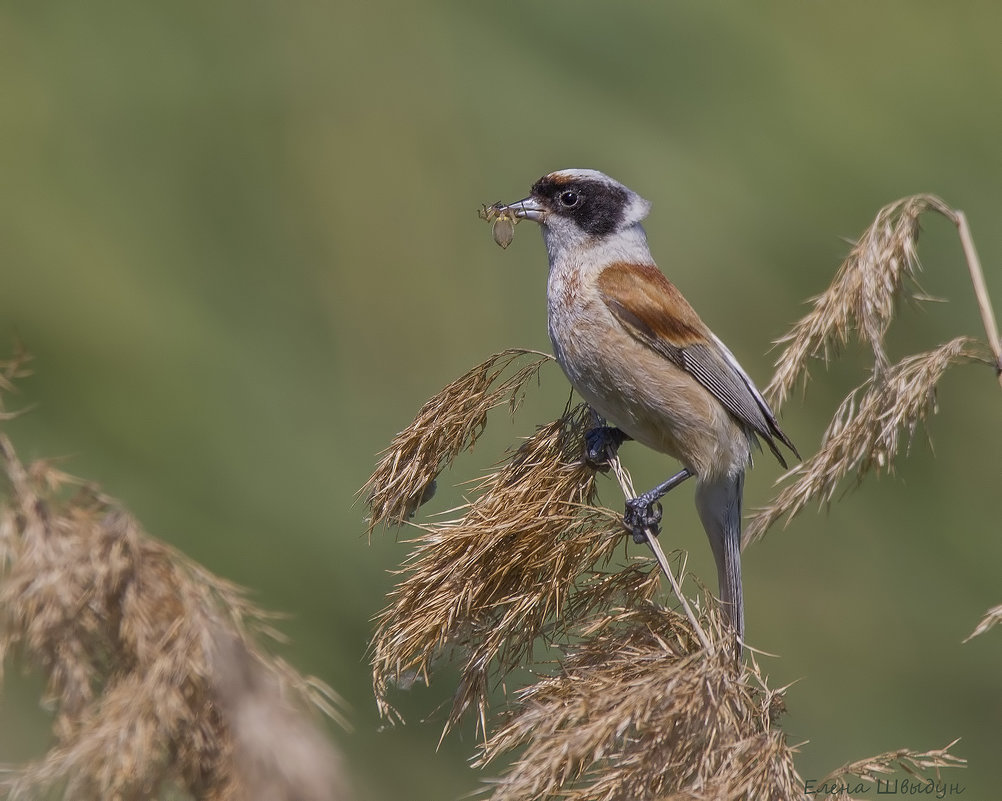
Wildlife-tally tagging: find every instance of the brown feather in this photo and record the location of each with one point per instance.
(643, 292)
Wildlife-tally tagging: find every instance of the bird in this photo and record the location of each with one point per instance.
(638, 353)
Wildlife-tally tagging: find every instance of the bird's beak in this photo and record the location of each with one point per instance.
(528, 209)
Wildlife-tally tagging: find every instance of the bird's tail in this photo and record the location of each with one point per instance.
(719, 506)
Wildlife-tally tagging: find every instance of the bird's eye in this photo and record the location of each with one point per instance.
(569, 199)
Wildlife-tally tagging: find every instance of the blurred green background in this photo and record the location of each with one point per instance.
(241, 241)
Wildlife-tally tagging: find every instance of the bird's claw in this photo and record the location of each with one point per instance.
(601, 445)
(642, 515)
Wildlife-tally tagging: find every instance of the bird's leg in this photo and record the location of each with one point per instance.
(644, 511)
(602, 442)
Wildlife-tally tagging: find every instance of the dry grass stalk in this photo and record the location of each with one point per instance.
(980, 291)
(634, 713)
(870, 427)
(10, 370)
(525, 556)
(862, 296)
(448, 424)
(992, 616)
(152, 666)
(916, 764)
(626, 485)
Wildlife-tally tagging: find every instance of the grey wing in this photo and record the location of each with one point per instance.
(717, 370)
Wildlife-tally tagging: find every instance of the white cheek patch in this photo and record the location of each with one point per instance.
(637, 209)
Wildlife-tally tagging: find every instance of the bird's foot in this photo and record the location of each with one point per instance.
(643, 514)
(601, 445)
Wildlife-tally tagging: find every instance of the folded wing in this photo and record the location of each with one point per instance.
(655, 313)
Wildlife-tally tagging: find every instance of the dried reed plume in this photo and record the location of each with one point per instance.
(867, 432)
(446, 425)
(632, 713)
(879, 417)
(646, 703)
(992, 616)
(917, 765)
(152, 665)
(524, 557)
(862, 297)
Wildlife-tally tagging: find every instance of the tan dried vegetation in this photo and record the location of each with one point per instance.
(154, 670)
(633, 699)
(912, 763)
(445, 426)
(879, 417)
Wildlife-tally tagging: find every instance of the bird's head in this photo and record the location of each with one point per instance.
(580, 207)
